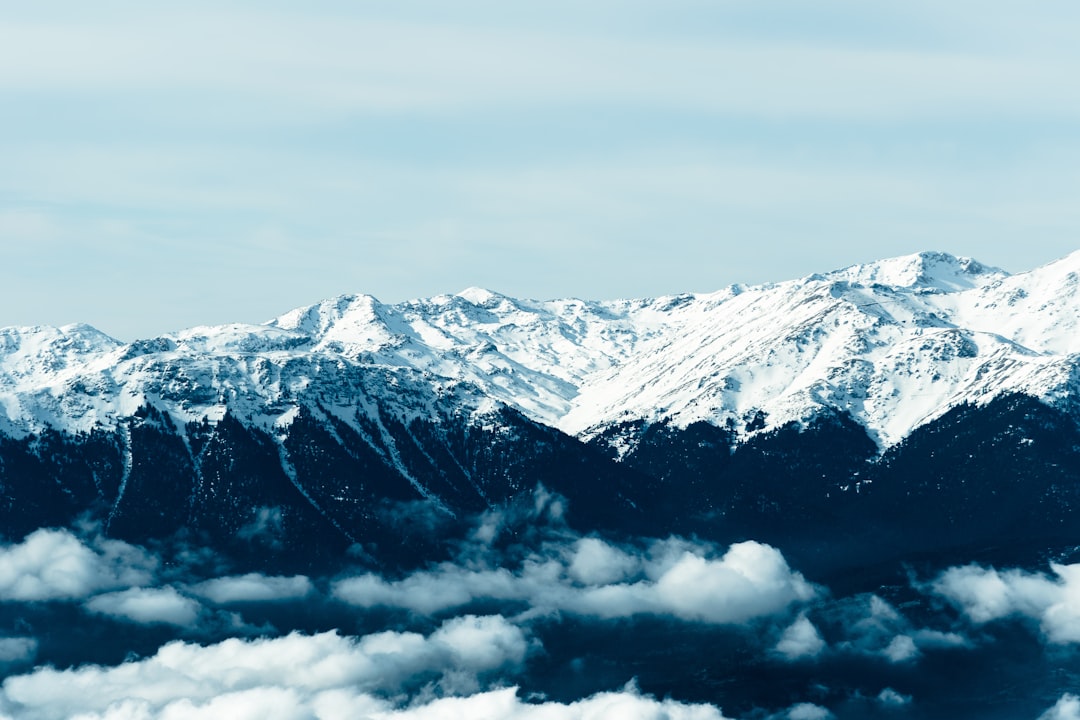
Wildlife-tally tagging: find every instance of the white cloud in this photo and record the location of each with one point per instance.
(982, 594)
(481, 642)
(926, 638)
(502, 704)
(900, 649)
(287, 703)
(55, 565)
(800, 640)
(1066, 708)
(986, 594)
(147, 606)
(750, 580)
(253, 587)
(595, 562)
(290, 676)
(431, 592)
(808, 711)
(891, 698)
(676, 578)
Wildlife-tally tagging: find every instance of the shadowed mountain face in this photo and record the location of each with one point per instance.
(307, 497)
(989, 479)
(996, 480)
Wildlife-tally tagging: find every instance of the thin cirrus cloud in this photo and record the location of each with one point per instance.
(419, 148)
(356, 61)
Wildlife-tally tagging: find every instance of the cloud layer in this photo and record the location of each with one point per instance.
(324, 677)
(595, 579)
(299, 671)
(449, 654)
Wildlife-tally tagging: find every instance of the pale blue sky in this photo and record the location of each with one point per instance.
(227, 161)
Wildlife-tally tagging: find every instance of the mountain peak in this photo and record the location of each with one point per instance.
(927, 270)
(480, 296)
(316, 320)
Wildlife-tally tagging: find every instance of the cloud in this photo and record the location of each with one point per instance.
(800, 640)
(901, 649)
(504, 704)
(1066, 708)
(891, 698)
(986, 594)
(926, 638)
(359, 61)
(808, 711)
(674, 578)
(595, 562)
(55, 565)
(750, 580)
(287, 703)
(291, 675)
(435, 591)
(147, 606)
(266, 527)
(253, 587)
(871, 626)
(17, 649)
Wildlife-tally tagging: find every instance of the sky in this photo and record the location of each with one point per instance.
(164, 166)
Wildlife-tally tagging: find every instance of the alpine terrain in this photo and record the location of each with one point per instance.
(881, 425)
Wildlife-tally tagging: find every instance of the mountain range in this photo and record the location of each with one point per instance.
(927, 388)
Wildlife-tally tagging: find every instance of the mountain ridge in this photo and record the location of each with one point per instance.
(833, 399)
(894, 344)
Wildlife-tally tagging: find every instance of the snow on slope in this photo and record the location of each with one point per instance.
(531, 355)
(894, 343)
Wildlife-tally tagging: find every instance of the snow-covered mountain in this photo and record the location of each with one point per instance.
(855, 400)
(894, 344)
(579, 468)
